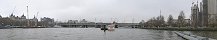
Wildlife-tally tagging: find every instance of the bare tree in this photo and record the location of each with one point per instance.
(170, 20)
(181, 19)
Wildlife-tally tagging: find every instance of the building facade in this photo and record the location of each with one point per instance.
(72, 21)
(13, 20)
(195, 16)
(209, 12)
(47, 22)
(83, 21)
(205, 14)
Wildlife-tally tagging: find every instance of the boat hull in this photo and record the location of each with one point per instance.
(104, 28)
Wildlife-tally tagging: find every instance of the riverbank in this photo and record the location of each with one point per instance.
(192, 37)
(29, 27)
(182, 28)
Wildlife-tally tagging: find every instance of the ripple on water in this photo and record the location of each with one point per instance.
(85, 34)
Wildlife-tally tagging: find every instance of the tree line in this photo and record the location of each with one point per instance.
(171, 22)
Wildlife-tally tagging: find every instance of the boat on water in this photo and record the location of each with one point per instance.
(110, 27)
(104, 28)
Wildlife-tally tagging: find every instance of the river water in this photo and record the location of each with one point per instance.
(85, 34)
(209, 34)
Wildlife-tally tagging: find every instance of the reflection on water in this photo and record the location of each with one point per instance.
(210, 34)
(85, 34)
(164, 35)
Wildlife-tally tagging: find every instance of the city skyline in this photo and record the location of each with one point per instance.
(98, 10)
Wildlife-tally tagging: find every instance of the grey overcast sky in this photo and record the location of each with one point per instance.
(101, 10)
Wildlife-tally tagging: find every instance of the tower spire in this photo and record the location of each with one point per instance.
(34, 16)
(192, 3)
(23, 14)
(197, 3)
(160, 12)
(27, 12)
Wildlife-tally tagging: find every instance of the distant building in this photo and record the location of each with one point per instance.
(195, 16)
(83, 21)
(33, 22)
(188, 22)
(72, 21)
(0, 16)
(47, 22)
(205, 14)
(13, 17)
(209, 11)
(23, 17)
(18, 21)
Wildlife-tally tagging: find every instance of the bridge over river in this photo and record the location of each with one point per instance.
(97, 25)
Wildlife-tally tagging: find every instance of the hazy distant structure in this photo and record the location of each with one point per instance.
(23, 17)
(195, 15)
(33, 22)
(83, 21)
(0, 16)
(47, 22)
(210, 11)
(13, 17)
(204, 14)
(13, 20)
(72, 21)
